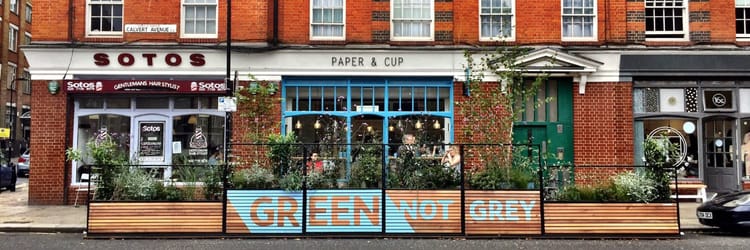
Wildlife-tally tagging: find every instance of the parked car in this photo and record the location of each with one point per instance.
(24, 164)
(7, 174)
(729, 211)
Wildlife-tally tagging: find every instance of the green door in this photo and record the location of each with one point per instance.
(549, 125)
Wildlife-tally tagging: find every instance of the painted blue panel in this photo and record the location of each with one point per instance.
(350, 211)
(265, 211)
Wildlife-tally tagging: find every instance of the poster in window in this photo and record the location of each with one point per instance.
(151, 143)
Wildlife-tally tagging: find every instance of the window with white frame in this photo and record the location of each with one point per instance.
(14, 6)
(327, 19)
(27, 82)
(28, 13)
(579, 19)
(12, 37)
(104, 17)
(666, 19)
(742, 14)
(496, 19)
(11, 78)
(199, 18)
(26, 38)
(412, 20)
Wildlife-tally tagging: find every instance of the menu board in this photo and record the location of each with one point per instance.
(151, 143)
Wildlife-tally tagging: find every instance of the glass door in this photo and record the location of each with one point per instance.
(718, 148)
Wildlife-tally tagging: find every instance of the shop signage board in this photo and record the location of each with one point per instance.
(503, 212)
(423, 211)
(146, 86)
(352, 211)
(151, 142)
(264, 212)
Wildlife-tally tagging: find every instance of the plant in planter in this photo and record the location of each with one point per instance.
(254, 177)
(660, 155)
(367, 170)
(281, 149)
(107, 154)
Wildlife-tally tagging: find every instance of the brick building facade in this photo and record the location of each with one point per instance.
(619, 71)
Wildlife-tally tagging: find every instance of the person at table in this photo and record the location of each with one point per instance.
(452, 158)
(315, 164)
(409, 147)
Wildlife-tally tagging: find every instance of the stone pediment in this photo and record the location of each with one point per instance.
(556, 61)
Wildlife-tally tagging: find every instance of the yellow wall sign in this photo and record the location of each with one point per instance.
(4, 133)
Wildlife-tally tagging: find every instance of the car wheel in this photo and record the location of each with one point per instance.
(12, 187)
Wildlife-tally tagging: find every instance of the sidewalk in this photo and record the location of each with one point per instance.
(17, 216)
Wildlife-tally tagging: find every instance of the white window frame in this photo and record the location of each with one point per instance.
(27, 82)
(89, 32)
(512, 36)
(29, 11)
(685, 23)
(182, 20)
(431, 37)
(744, 5)
(26, 38)
(594, 16)
(13, 37)
(13, 5)
(343, 24)
(11, 77)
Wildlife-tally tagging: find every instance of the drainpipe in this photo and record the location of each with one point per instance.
(275, 41)
(71, 19)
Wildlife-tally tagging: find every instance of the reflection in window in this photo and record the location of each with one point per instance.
(199, 136)
(687, 131)
(745, 149)
(116, 127)
(429, 131)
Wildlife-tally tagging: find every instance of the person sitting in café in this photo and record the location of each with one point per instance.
(409, 147)
(315, 164)
(452, 158)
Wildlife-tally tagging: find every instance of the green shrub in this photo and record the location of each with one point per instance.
(637, 187)
(254, 177)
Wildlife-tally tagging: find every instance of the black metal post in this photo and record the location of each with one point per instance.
(228, 116)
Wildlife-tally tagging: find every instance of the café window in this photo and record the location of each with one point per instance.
(680, 132)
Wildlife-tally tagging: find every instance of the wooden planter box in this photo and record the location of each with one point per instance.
(611, 218)
(155, 217)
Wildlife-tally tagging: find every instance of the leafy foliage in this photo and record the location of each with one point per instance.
(254, 177)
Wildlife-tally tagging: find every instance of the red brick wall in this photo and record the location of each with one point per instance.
(46, 180)
(603, 124)
(248, 21)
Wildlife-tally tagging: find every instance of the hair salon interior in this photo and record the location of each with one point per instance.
(619, 72)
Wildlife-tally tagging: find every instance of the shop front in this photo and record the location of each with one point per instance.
(705, 113)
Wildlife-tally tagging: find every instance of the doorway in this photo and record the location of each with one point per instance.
(719, 151)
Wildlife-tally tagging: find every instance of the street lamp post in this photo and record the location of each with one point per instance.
(12, 122)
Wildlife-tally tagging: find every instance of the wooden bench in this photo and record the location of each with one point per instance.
(699, 189)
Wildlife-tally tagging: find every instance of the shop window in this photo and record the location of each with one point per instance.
(199, 136)
(93, 126)
(118, 102)
(680, 132)
(151, 103)
(718, 100)
(90, 102)
(665, 100)
(744, 101)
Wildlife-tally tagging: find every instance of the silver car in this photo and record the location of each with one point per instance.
(24, 162)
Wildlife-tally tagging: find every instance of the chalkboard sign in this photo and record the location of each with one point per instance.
(151, 143)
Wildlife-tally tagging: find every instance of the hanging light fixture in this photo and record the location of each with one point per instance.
(390, 128)
(369, 128)
(418, 125)
(436, 125)
(298, 125)
(317, 124)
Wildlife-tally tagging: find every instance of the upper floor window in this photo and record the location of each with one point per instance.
(199, 18)
(26, 38)
(28, 13)
(666, 19)
(742, 13)
(579, 19)
(27, 82)
(496, 19)
(327, 20)
(104, 18)
(14, 6)
(12, 37)
(412, 20)
(11, 78)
